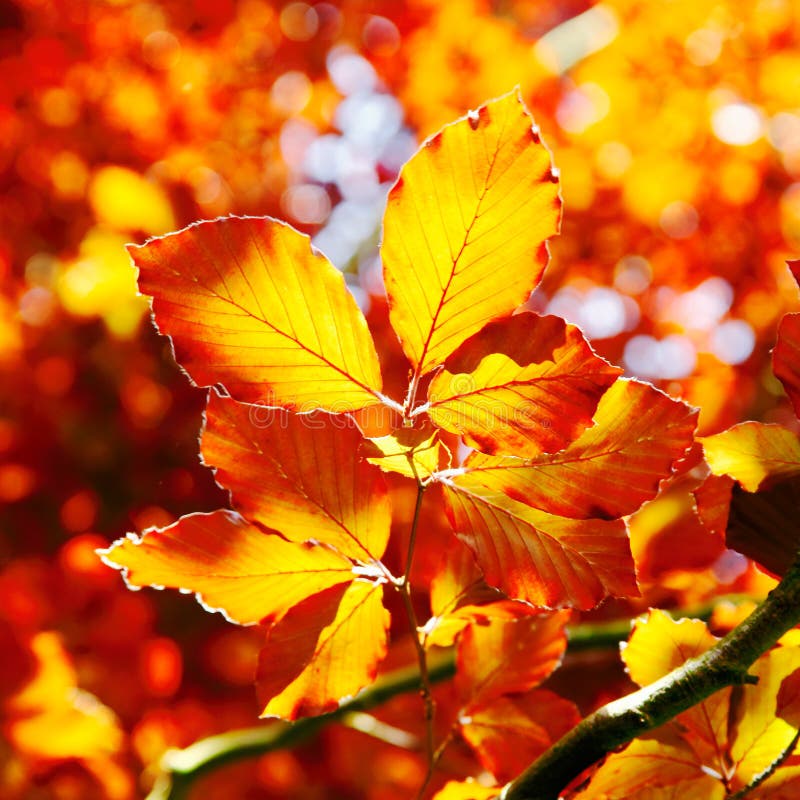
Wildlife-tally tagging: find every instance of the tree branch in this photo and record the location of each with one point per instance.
(622, 720)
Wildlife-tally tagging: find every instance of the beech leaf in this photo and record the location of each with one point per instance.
(325, 649)
(299, 474)
(230, 563)
(249, 304)
(546, 560)
(465, 229)
(521, 386)
(610, 470)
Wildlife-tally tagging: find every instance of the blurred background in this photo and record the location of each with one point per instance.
(675, 125)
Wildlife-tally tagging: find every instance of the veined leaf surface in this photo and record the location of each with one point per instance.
(521, 386)
(299, 474)
(465, 229)
(233, 565)
(250, 305)
(610, 470)
(546, 560)
(326, 648)
(754, 453)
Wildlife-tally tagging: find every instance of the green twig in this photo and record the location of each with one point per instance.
(622, 720)
(181, 768)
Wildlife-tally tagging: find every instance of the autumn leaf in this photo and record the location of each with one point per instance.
(465, 229)
(546, 560)
(788, 700)
(299, 474)
(505, 656)
(520, 386)
(533, 722)
(761, 736)
(231, 564)
(754, 453)
(469, 789)
(248, 304)
(413, 452)
(609, 471)
(660, 644)
(326, 648)
(652, 769)
(460, 595)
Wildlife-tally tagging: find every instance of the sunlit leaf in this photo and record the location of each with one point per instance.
(546, 560)
(325, 649)
(232, 565)
(532, 723)
(466, 790)
(610, 470)
(660, 644)
(413, 452)
(760, 736)
(465, 228)
(299, 474)
(51, 718)
(754, 453)
(655, 770)
(505, 656)
(250, 305)
(521, 386)
(458, 595)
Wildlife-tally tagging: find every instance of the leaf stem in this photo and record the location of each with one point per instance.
(404, 588)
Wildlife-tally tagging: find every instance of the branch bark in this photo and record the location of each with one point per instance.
(622, 720)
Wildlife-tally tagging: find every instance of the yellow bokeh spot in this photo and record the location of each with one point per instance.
(739, 181)
(655, 181)
(124, 200)
(69, 174)
(101, 282)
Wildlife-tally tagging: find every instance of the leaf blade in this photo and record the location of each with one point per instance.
(442, 233)
(249, 304)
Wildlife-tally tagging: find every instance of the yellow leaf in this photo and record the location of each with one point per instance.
(465, 228)
(412, 452)
(249, 304)
(660, 644)
(325, 649)
(650, 769)
(466, 790)
(754, 453)
(760, 736)
(232, 565)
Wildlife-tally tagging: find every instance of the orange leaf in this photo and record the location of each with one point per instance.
(299, 474)
(232, 565)
(545, 560)
(325, 649)
(459, 595)
(508, 655)
(521, 386)
(786, 358)
(650, 769)
(754, 453)
(508, 734)
(465, 227)
(658, 645)
(610, 470)
(250, 305)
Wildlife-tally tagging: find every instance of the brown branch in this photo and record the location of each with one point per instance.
(622, 720)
